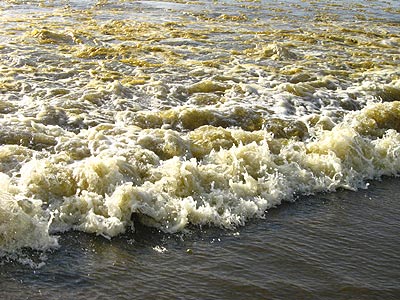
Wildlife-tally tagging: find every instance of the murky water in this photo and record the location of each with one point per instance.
(149, 128)
(333, 246)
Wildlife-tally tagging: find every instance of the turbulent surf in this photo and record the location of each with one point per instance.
(179, 113)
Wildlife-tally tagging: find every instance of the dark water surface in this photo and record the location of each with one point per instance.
(331, 246)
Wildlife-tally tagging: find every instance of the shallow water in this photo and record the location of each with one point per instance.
(333, 246)
(131, 126)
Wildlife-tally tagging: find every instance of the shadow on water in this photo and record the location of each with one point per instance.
(331, 246)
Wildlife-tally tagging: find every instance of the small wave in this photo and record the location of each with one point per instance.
(241, 179)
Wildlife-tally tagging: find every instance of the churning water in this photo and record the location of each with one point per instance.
(137, 137)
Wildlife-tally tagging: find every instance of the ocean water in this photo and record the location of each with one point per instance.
(212, 149)
(332, 246)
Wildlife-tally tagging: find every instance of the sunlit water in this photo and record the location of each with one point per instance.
(334, 246)
(163, 135)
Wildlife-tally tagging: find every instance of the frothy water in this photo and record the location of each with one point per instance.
(340, 245)
(173, 114)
